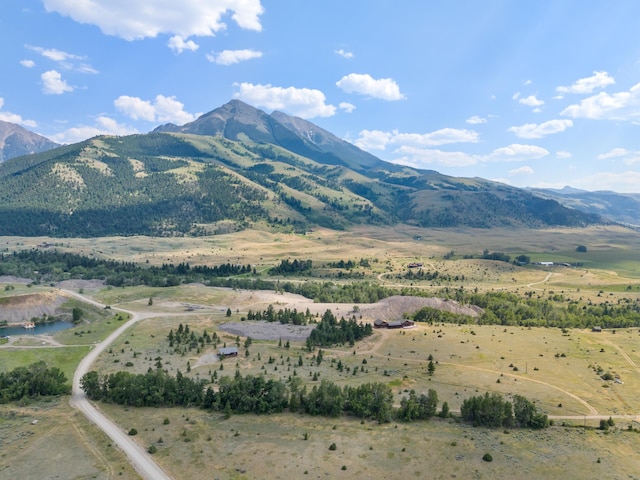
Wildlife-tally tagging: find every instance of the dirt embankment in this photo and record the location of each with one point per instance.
(21, 308)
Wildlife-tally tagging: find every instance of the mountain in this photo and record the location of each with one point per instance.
(16, 141)
(237, 167)
(238, 121)
(618, 207)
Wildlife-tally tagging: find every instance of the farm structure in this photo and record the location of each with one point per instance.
(394, 324)
(228, 352)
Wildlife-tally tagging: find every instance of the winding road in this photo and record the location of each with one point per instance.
(139, 458)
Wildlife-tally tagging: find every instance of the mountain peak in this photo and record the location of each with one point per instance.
(16, 141)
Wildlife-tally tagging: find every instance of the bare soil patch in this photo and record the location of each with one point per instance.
(268, 330)
(20, 308)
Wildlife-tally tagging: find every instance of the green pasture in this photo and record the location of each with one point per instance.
(65, 358)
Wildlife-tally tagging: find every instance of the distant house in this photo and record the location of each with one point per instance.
(415, 265)
(545, 264)
(394, 324)
(228, 352)
(596, 329)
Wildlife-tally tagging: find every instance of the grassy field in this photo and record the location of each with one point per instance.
(559, 370)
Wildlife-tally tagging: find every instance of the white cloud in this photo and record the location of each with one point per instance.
(103, 126)
(628, 157)
(15, 118)
(614, 153)
(526, 170)
(563, 154)
(531, 101)
(178, 44)
(365, 84)
(516, 152)
(65, 60)
(52, 83)
(373, 139)
(443, 136)
(28, 63)
(162, 109)
(302, 102)
(229, 57)
(54, 54)
(346, 106)
(137, 19)
(589, 84)
(344, 53)
(421, 157)
(623, 106)
(476, 120)
(532, 130)
(379, 140)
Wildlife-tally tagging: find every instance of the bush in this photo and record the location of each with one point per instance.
(133, 431)
(487, 457)
(152, 449)
(332, 446)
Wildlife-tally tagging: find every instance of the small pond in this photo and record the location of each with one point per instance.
(43, 328)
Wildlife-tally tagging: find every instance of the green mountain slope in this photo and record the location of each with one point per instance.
(238, 166)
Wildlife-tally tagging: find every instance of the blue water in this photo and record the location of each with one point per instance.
(43, 328)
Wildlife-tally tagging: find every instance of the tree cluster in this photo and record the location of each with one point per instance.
(330, 331)
(33, 381)
(493, 410)
(283, 316)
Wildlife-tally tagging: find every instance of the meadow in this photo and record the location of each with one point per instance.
(560, 370)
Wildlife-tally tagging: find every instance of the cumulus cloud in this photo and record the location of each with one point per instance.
(365, 84)
(425, 157)
(563, 154)
(532, 130)
(379, 140)
(421, 157)
(137, 19)
(28, 63)
(346, 106)
(531, 101)
(52, 83)
(229, 57)
(589, 84)
(15, 118)
(344, 53)
(526, 170)
(476, 120)
(162, 109)
(623, 106)
(179, 45)
(516, 153)
(103, 126)
(302, 102)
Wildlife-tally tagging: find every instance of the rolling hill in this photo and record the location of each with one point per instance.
(237, 167)
(618, 207)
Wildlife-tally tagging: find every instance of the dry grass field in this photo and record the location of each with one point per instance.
(556, 369)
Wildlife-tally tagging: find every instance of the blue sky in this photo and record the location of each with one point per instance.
(527, 92)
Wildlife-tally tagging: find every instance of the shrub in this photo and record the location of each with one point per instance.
(332, 446)
(487, 457)
(133, 431)
(152, 449)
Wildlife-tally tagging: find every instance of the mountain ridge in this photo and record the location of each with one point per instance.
(237, 167)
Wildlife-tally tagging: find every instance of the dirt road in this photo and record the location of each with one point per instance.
(137, 455)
